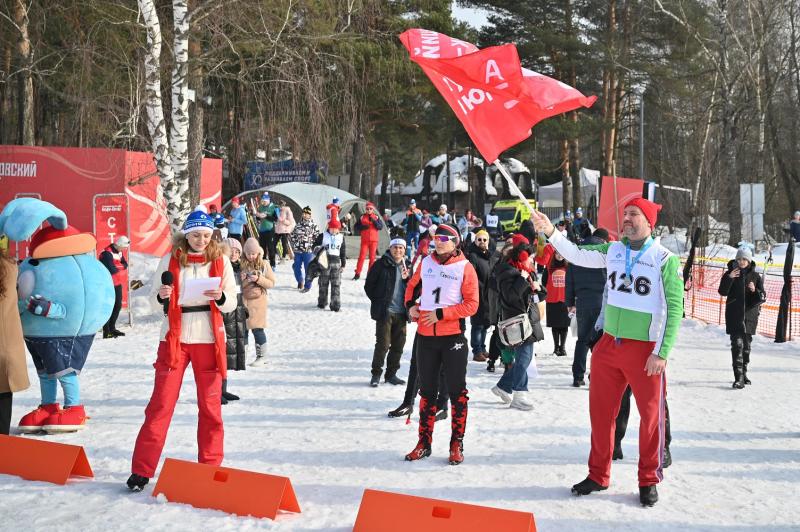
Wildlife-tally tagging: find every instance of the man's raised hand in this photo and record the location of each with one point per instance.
(542, 223)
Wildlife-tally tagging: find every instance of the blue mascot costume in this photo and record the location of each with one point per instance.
(65, 296)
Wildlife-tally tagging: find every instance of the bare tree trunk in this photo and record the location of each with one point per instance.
(5, 94)
(566, 182)
(575, 163)
(727, 160)
(196, 126)
(176, 192)
(355, 178)
(25, 80)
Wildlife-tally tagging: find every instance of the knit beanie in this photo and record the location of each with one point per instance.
(648, 208)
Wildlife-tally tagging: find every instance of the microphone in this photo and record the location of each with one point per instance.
(166, 278)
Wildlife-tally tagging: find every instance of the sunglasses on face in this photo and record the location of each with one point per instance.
(445, 238)
(481, 240)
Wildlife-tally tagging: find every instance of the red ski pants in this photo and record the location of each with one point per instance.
(158, 414)
(617, 363)
(372, 248)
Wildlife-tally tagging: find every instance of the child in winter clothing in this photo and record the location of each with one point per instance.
(236, 321)
(303, 237)
(745, 291)
(332, 241)
(193, 331)
(257, 277)
(557, 316)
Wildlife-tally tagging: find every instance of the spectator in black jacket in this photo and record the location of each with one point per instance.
(745, 291)
(584, 298)
(113, 259)
(478, 254)
(385, 286)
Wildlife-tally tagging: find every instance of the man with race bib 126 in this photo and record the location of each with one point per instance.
(441, 295)
(643, 312)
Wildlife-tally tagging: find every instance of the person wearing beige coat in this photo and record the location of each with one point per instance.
(257, 277)
(13, 366)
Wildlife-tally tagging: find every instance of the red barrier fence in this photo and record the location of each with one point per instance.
(703, 302)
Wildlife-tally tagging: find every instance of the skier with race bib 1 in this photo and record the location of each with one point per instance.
(441, 294)
(642, 315)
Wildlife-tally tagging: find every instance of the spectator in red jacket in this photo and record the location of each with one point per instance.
(369, 224)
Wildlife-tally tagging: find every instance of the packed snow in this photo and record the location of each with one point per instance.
(310, 415)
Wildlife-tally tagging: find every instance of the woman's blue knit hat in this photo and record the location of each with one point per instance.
(198, 221)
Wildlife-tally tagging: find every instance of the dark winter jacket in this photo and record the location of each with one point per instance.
(236, 329)
(480, 260)
(585, 285)
(743, 306)
(379, 285)
(515, 297)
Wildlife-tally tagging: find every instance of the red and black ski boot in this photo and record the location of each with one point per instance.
(427, 417)
(458, 423)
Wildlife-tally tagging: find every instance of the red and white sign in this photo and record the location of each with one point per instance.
(496, 100)
(111, 222)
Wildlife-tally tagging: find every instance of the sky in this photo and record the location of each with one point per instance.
(474, 17)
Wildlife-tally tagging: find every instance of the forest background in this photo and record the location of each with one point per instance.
(328, 80)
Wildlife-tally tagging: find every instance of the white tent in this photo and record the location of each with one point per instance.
(551, 195)
(458, 177)
(317, 196)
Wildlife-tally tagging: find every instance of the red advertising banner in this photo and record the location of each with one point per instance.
(111, 222)
(615, 192)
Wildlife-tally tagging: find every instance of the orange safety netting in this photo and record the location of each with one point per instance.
(703, 302)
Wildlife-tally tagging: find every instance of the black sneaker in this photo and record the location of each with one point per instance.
(441, 415)
(394, 379)
(490, 366)
(401, 411)
(375, 381)
(648, 495)
(356, 277)
(230, 396)
(137, 482)
(117, 333)
(667, 458)
(617, 453)
(577, 383)
(587, 486)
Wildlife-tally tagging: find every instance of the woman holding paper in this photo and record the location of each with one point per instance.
(192, 331)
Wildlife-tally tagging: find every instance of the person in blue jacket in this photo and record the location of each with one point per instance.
(237, 220)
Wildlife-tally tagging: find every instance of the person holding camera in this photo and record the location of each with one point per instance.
(519, 293)
(744, 289)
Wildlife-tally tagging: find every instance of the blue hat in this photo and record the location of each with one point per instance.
(219, 219)
(265, 196)
(335, 200)
(197, 221)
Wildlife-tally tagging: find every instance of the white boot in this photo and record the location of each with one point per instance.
(502, 394)
(521, 401)
(261, 356)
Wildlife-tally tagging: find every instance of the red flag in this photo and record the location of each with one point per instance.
(496, 100)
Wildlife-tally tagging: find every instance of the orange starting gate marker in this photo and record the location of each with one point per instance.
(222, 488)
(47, 461)
(393, 512)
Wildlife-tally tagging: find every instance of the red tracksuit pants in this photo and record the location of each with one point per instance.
(616, 364)
(366, 247)
(158, 414)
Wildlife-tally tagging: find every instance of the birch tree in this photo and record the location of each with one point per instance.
(170, 151)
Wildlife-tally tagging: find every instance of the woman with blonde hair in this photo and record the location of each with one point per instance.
(193, 331)
(257, 277)
(13, 368)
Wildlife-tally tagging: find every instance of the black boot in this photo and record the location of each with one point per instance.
(226, 394)
(648, 495)
(617, 451)
(401, 411)
(587, 486)
(744, 375)
(375, 381)
(394, 379)
(667, 458)
(737, 356)
(746, 359)
(137, 482)
(490, 366)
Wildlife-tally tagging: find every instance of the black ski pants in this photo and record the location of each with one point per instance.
(111, 324)
(412, 386)
(442, 353)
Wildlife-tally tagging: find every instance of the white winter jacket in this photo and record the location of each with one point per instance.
(196, 326)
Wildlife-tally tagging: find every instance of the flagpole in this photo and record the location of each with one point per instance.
(512, 186)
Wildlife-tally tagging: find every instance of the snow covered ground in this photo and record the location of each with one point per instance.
(311, 416)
